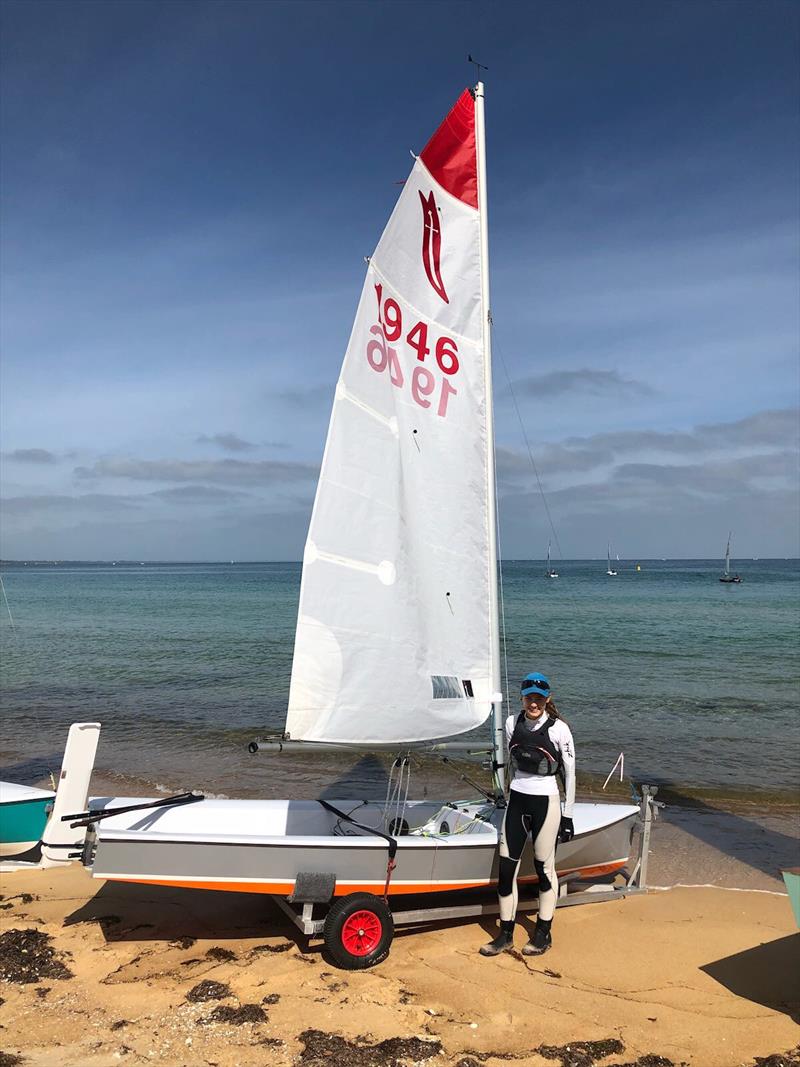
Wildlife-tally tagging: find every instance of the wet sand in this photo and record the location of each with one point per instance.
(706, 977)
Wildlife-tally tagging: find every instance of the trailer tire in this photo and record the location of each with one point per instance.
(358, 931)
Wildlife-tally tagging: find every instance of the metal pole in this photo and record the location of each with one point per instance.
(647, 812)
(425, 748)
(498, 734)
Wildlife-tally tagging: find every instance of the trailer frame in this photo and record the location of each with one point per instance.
(301, 913)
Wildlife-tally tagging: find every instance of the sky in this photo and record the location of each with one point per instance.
(188, 194)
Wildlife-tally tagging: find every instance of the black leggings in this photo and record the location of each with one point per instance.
(539, 816)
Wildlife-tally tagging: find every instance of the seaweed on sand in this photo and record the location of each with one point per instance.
(587, 1053)
(208, 990)
(650, 1059)
(473, 1058)
(283, 946)
(780, 1059)
(322, 1049)
(26, 956)
(222, 955)
(245, 1013)
(581, 1053)
(183, 942)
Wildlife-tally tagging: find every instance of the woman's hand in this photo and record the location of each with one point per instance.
(566, 831)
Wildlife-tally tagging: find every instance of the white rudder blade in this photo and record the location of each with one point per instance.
(59, 839)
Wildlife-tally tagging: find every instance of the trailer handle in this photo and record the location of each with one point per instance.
(86, 818)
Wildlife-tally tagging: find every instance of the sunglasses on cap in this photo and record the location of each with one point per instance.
(538, 688)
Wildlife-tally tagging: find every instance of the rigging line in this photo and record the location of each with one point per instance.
(495, 344)
(527, 445)
(500, 756)
(392, 787)
(399, 765)
(401, 808)
(53, 776)
(8, 607)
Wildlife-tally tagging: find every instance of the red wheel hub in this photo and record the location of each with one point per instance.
(361, 932)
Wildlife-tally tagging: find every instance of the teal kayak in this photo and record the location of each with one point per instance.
(23, 815)
(791, 877)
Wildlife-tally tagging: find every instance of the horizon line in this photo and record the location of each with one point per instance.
(262, 562)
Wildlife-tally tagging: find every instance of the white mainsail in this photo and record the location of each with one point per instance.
(609, 569)
(395, 636)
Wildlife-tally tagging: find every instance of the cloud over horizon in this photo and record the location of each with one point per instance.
(598, 383)
(224, 471)
(30, 455)
(739, 474)
(230, 442)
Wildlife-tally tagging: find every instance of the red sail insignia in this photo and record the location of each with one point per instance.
(432, 244)
(451, 155)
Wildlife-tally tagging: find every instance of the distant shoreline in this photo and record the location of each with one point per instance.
(711, 560)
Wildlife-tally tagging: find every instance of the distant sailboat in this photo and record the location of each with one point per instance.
(610, 570)
(727, 577)
(550, 572)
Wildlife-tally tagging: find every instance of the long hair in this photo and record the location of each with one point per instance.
(552, 710)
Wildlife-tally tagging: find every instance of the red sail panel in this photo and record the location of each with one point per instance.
(450, 155)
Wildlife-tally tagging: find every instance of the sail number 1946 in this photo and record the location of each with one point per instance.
(382, 357)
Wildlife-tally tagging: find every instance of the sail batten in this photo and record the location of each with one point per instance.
(395, 639)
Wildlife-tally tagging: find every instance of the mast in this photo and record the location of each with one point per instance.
(498, 731)
(728, 556)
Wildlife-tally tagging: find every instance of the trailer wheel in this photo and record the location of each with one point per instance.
(358, 931)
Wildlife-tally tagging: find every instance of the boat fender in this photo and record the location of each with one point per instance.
(313, 887)
(533, 750)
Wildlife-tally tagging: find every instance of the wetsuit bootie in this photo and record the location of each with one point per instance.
(541, 940)
(502, 943)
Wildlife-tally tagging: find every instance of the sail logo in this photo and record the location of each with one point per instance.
(432, 244)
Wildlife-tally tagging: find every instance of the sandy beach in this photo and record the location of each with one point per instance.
(700, 976)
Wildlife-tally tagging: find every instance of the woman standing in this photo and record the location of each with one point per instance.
(540, 744)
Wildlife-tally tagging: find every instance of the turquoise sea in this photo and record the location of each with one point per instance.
(698, 683)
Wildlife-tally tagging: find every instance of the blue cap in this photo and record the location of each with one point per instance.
(535, 683)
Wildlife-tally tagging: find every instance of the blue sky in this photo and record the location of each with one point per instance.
(189, 191)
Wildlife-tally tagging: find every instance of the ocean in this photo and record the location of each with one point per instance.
(696, 682)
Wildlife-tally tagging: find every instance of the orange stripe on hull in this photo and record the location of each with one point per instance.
(282, 889)
(279, 889)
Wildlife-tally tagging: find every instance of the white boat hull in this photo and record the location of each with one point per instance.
(261, 846)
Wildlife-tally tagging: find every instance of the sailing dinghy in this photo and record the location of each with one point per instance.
(397, 642)
(727, 577)
(551, 572)
(23, 815)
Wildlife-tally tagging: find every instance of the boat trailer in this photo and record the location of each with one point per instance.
(358, 928)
